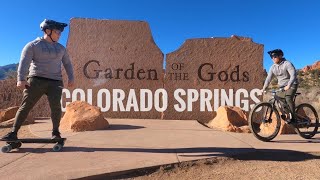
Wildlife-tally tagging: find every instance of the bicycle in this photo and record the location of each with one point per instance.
(265, 122)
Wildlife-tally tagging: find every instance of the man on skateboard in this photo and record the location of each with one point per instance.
(44, 57)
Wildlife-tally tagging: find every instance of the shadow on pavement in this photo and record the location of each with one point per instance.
(314, 140)
(258, 155)
(123, 127)
(206, 152)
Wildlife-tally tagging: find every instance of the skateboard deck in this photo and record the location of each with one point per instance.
(15, 144)
(35, 140)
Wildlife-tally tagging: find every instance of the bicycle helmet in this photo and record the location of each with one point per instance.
(276, 52)
(51, 24)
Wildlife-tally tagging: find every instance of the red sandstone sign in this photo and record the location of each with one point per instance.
(119, 68)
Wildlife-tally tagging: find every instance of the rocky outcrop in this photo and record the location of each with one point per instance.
(316, 65)
(81, 116)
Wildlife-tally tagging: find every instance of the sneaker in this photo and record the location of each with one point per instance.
(56, 135)
(10, 136)
(292, 122)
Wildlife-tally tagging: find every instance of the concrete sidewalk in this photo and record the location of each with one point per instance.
(131, 144)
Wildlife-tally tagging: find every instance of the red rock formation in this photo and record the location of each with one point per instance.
(316, 65)
(231, 119)
(269, 128)
(81, 116)
(9, 113)
(7, 117)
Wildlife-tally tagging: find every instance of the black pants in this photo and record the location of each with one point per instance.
(38, 87)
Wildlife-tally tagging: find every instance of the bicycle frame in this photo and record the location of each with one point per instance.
(281, 104)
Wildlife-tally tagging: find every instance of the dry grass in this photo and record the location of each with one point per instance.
(311, 96)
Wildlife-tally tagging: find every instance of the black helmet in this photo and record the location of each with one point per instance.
(51, 24)
(276, 52)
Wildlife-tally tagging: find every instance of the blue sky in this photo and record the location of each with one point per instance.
(290, 25)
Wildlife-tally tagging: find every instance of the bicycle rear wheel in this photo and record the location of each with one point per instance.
(264, 121)
(308, 121)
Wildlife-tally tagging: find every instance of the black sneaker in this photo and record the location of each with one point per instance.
(292, 121)
(11, 136)
(56, 135)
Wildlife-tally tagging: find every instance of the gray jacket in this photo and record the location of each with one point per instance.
(45, 60)
(285, 72)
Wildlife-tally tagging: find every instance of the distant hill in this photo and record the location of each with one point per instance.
(6, 70)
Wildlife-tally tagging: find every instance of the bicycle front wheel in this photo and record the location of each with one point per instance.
(308, 121)
(264, 121)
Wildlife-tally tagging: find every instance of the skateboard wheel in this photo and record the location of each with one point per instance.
(6, 149)
(57, 147)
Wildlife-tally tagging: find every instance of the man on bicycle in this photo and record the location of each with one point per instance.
(286, 74)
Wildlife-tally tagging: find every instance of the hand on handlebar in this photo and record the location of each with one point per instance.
(286, 88)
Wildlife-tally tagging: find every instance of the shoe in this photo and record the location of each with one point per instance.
(292, 121)
(56, 135)
(11, 136)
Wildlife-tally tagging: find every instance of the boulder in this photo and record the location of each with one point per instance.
(284, 128)
(9, 123)
(231, 119)
(9, 113)
(81, 116)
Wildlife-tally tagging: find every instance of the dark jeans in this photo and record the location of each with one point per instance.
(289, 95)
(38, 87)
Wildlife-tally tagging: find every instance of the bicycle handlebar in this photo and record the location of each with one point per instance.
(275, 90)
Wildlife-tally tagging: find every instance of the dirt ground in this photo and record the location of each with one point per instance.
(259, 165)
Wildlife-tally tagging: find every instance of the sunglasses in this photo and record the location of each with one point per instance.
(57, 31)
(274, 56)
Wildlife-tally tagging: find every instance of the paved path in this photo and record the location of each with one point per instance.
(132, 143)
